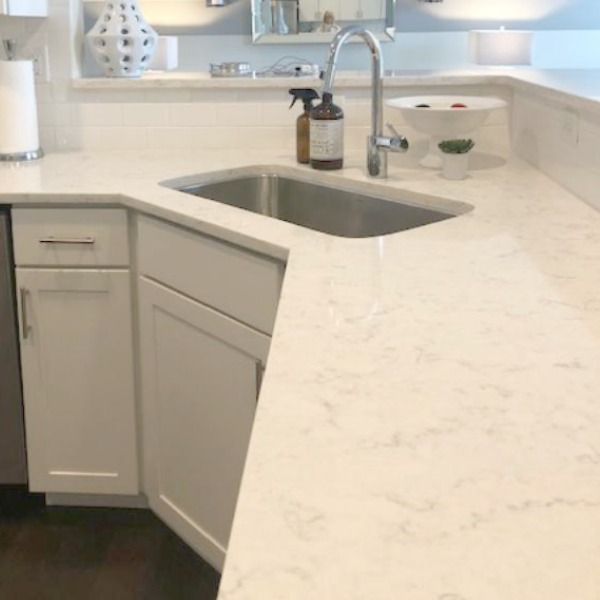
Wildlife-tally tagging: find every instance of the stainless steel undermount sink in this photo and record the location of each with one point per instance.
(322, 207)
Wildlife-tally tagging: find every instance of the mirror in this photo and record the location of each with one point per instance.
(317, 21)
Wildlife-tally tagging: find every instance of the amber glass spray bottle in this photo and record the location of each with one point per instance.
(307, 95)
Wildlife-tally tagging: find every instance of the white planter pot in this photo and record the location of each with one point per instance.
(121, 40)
(454, 166)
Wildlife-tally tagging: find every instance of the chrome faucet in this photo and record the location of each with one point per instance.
(377, 144)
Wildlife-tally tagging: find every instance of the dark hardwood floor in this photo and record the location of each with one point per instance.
(95, 554)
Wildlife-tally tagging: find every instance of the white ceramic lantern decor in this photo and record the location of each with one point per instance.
(121, 40)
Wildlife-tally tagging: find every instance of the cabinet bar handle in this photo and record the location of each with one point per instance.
(259, 377)
(53, 240)
(25, 327)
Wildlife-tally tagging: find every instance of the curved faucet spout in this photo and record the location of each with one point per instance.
(340, 39)
(377, 144)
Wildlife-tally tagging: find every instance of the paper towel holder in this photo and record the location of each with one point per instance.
(22, 156)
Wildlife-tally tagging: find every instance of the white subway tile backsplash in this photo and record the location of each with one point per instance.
(68, 138)
(356, 112)
(219, 120)
(355, 138)
(171, 96)
(280, 96)
(169, 138)
(43, 92)
(48, 138)
(558, 141)
(55, 114)
(260, 138)
(145, 115)
(100, 138)
(214, 96)
(120, 138)
(275, 114)
(215, 138)
(240, 114)
(98, 115)
(192, 115)
(63, 91)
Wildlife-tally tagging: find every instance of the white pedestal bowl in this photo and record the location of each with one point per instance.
(442, 121)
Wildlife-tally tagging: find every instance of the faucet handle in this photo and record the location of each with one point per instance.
(398, 143)
(393, 129)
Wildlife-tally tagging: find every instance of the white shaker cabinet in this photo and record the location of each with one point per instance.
(362, 10)
(24, 8)
(206, 313)
(76, 350)
(201, 373)
(358, 11)
(313, 10)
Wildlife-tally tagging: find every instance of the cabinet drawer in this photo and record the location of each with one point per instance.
(70, 237)
(231, 279)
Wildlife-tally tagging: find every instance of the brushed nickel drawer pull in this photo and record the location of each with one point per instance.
(25, 327)
(53, 240)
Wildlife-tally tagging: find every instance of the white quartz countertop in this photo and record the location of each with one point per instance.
(429, 423)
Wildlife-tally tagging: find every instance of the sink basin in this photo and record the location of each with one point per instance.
(331, 210)
(436, 116)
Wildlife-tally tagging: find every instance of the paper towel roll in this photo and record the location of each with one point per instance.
(18, 111)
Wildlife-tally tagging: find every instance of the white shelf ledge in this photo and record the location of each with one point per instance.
(186, 80)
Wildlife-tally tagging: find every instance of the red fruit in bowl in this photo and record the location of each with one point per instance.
(458, 105)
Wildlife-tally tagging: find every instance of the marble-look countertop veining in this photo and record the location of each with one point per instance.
(429, 423)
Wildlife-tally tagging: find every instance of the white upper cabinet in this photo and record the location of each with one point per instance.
(362, 10)
(24, 8)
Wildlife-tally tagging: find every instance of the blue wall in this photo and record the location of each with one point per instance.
(194, 18)
(462, 15)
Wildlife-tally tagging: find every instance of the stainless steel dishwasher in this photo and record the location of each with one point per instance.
(13, 464)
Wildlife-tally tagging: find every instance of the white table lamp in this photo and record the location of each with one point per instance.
(500, 47)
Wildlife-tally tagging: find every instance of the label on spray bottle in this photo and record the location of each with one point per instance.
(326, 140)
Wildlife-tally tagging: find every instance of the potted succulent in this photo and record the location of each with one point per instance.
(455, 158)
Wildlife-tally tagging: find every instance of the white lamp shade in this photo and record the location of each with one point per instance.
(500, 47)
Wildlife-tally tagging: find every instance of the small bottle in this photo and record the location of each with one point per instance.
(307, 95)
(327, 135)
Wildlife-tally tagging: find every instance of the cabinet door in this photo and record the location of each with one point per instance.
(349, 11)
(313, 10)
(309, 10)
(77, 360)
(200, 376)
(372, 9)
(362, 10)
